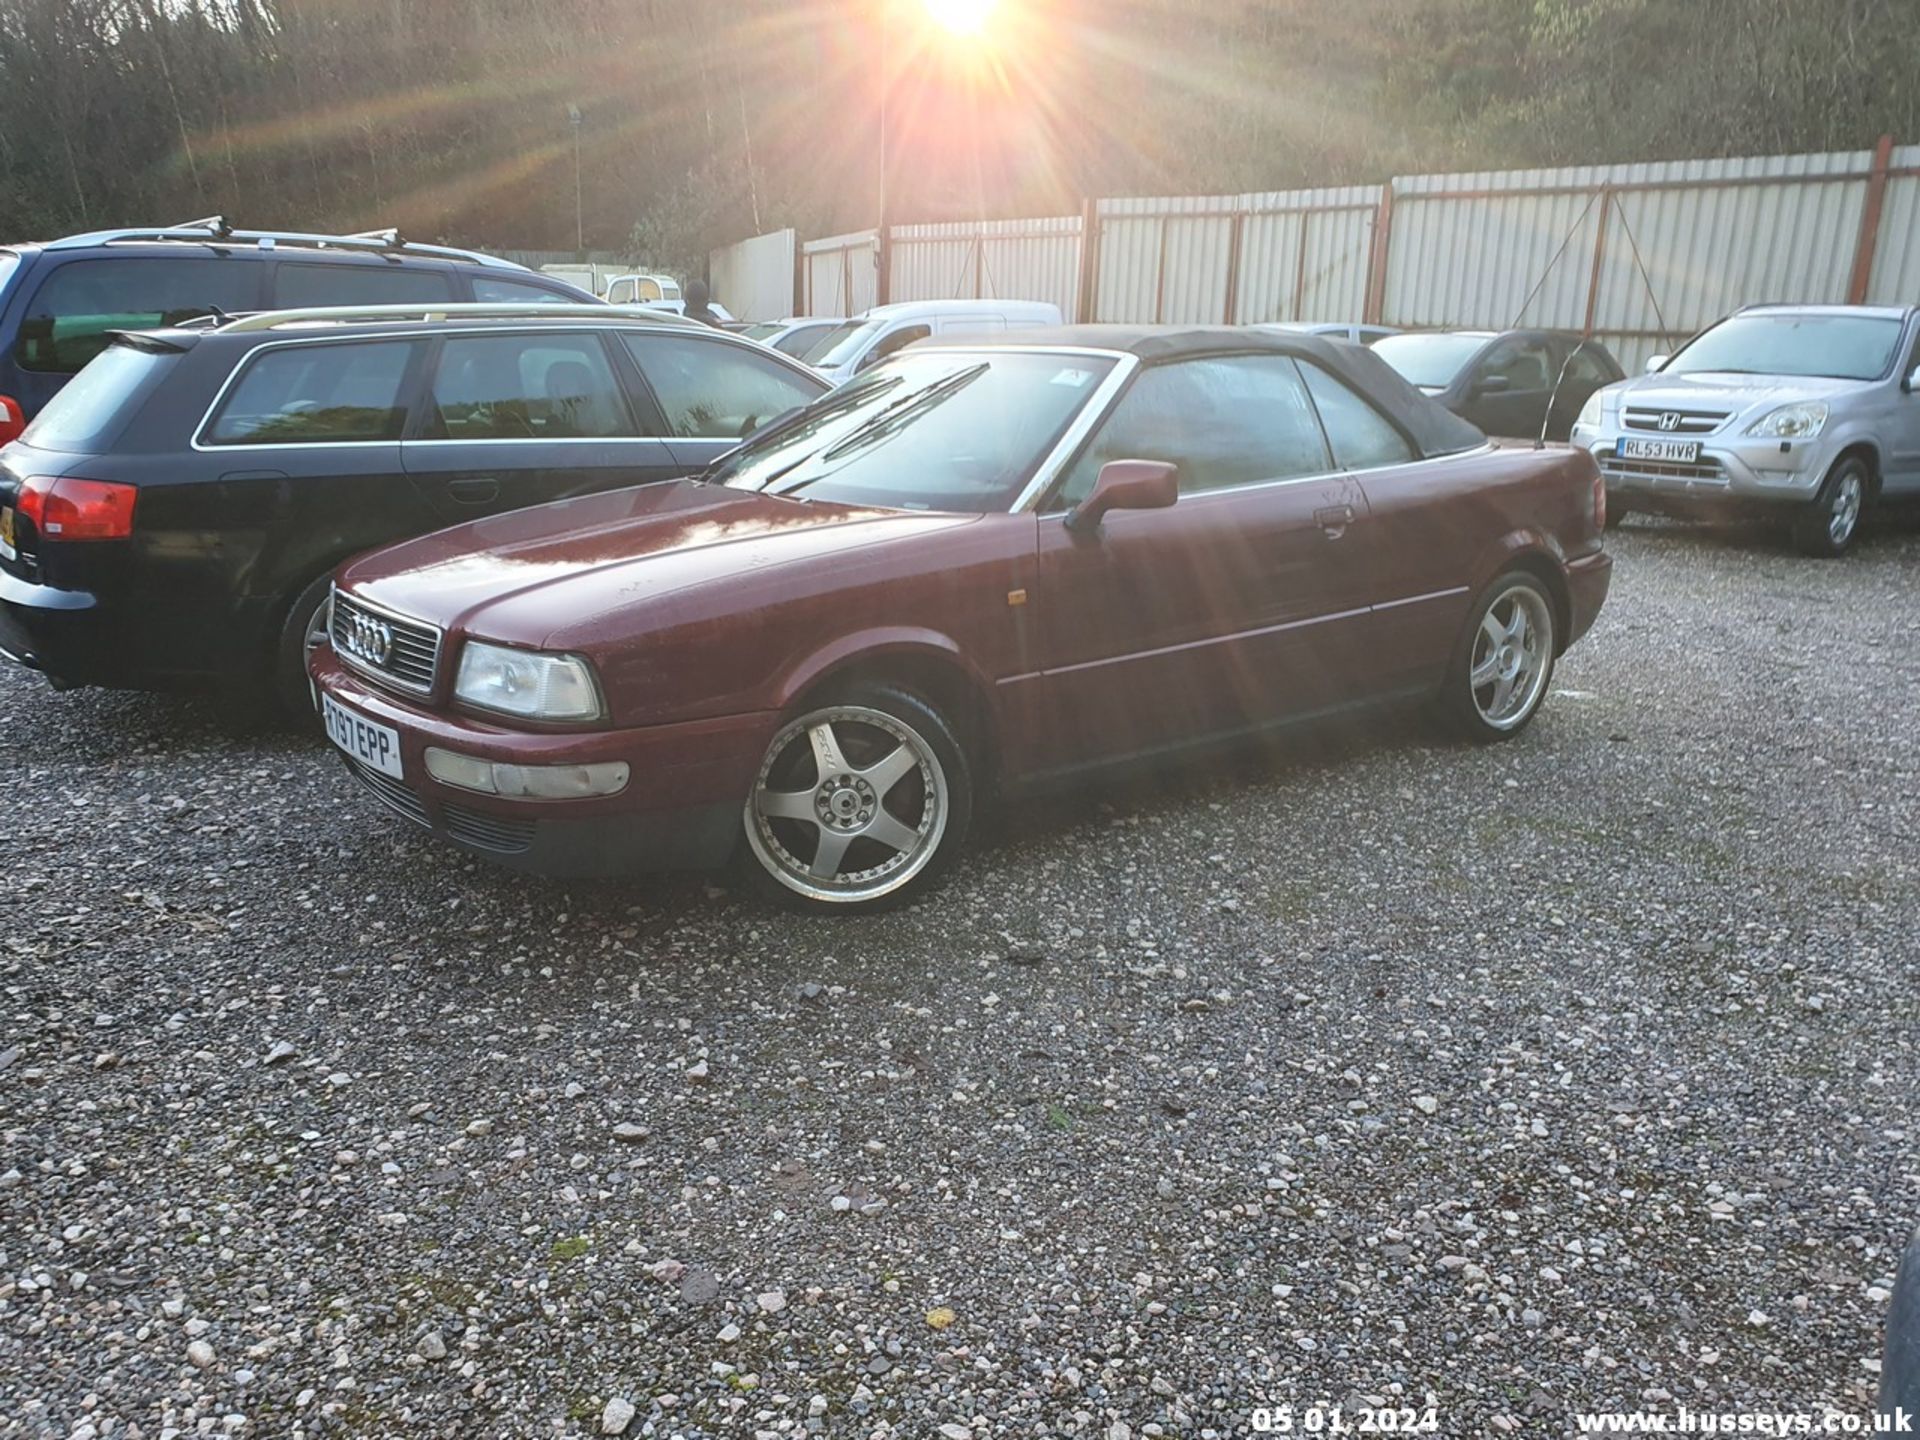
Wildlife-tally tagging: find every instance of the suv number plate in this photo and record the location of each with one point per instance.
(1674, 452)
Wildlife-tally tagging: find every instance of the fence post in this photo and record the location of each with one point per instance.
(1300, 267)
(1870, 222)
(1376, 301)
(1089, 296)
(1238, 225)
(1599, 258)
(883, 259)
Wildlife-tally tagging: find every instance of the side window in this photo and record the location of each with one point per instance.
(316, 394)
(1229, 421)
(1526, 366)
(489, 291)
(798, 341)
(1585, 370)
(68, 318)
(297, 285)
(1362, 438)
(711, 390)
(525, 387)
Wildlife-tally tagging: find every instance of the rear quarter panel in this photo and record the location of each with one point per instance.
(1443, 529)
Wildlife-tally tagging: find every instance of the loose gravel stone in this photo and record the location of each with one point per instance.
(1594, 948)
(617, 1416)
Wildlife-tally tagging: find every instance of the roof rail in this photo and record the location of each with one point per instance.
(374, 314)
(214, 230)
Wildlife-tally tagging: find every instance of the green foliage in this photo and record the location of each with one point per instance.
(702, 120)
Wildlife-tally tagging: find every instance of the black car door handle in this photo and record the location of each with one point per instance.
(475, 490)
(1334, 519)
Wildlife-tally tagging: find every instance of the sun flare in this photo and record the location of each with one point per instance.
(960, 17)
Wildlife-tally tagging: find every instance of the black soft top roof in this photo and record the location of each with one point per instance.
(1434, 429)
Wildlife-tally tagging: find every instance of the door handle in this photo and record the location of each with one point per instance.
(475, 490)
(1334, 519)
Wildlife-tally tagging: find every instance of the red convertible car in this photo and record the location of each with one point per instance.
(974, 568)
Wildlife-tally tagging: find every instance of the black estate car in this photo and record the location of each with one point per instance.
(172, 518)
(1504, 382)
(60, 299)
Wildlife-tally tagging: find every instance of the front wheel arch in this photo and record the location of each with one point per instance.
(934, 674)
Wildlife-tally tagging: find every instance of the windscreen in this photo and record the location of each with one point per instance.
(944, 430)
(842, 343)
(1429, 361)
(91, 407)
(1839, 347)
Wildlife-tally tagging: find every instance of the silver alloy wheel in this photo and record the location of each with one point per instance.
(1848, 496)
(849, 804)
(1512, 656)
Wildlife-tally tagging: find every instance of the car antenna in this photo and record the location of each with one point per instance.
(1554, 394)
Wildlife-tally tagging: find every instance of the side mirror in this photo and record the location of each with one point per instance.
(1492, 384)
(1126, 485)
(1657, 362)
(1910, 384)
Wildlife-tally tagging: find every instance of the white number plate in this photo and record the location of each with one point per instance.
(1674, 452)
(371, 744)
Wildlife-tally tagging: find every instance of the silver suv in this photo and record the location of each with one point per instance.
(1805, 413)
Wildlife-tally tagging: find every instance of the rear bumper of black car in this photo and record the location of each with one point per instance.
(66, 634)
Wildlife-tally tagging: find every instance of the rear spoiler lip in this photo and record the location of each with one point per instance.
(172, 342)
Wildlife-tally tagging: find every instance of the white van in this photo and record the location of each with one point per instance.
(868, 339)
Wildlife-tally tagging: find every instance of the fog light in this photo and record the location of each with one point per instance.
(527, 782)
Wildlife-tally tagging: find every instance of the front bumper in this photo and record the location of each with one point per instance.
(680, 810)
(1735, 475)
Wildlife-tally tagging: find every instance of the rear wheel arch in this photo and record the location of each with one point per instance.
(1548, 570)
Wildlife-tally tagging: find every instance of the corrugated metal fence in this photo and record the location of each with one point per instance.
(1638, 255)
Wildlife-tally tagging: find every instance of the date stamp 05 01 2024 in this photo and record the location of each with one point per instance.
(1324, 1419)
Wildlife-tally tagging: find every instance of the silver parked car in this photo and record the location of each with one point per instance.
(1805, 413)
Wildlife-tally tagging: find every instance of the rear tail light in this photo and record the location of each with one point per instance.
(13, 420)
(70, 509)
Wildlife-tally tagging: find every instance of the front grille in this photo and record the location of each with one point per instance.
(497, 833)
(411, 647)
(501, 834)
(1663, 472)
(1686, 422)
(390, 792)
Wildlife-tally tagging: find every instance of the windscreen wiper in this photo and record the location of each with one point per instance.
(822, 409)
(896, 417)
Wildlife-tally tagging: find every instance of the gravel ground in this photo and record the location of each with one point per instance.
(1576, 1073)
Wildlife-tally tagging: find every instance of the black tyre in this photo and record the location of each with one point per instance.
(860, 803)
(1828, 526)
(304, 627)
(1503, 662)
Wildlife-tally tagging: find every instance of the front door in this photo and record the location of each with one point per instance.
(1508, 387)
(709, 392)
(1244, 603)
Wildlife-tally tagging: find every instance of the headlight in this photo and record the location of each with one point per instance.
(1589, 417)
(527, 683)
(1791, 422)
